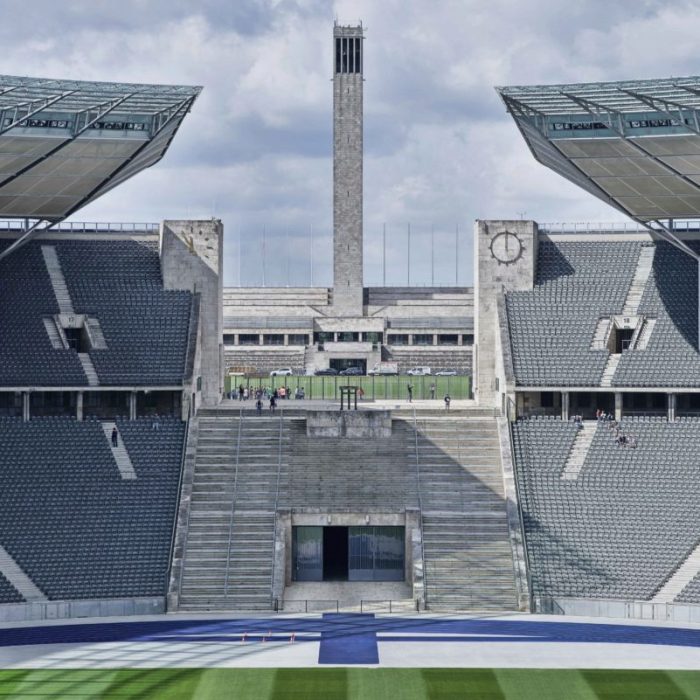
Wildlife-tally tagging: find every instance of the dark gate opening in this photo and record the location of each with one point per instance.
(335, 553)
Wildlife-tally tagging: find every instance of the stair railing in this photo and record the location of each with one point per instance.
(521, 517)
(185, 442)
(420, 512)
(277, 495)
(233, 501)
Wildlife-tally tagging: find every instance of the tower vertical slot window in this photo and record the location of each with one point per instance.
(358, 55)
(338, 51)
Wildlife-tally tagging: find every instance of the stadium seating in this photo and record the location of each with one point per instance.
(8, 593)
(27, 357)
(437, 358)
(625, 524)
(265, 360)
(120, 283)
(671, 297)
(691, 593)
(69, 519)
(552, 326)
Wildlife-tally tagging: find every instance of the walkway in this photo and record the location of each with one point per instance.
(418, 641)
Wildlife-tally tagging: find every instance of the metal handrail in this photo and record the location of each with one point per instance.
(233, 501)
(177, 512)
(518, 493)
(420, 511)
(277, 495)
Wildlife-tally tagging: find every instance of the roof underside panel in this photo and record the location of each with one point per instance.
(635, 145)
(64, 143)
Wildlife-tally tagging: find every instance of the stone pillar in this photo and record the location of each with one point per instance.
(191, 254)
(79, 406)
(348, 56)
(132, 406)
(618, 406)
(435, 338)
(505, 257)
(671, 407)
(565, 405)
(25, 406)
(286, 338)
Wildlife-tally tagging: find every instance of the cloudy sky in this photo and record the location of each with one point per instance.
(439, 149)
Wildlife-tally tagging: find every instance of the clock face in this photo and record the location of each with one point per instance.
(506, 247)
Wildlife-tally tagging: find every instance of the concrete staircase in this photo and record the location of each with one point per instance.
(639, 281)
(54, 335)
(12, 571)
(89, 369)
(351, 474)
(609, 371)
(579, 450)
(468, 558)
(645, 334)
(97, 338)
(121, 456)
(58, 281)
(228, 556)
(680, 578)
(600, 335)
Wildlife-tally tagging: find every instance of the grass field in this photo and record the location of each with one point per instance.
(374, 387)
(346, 683)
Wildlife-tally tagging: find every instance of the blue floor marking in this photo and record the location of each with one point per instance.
(352, 638)
(350, 641)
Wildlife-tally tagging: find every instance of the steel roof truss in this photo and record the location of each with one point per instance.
(42, 105)
(652, 102)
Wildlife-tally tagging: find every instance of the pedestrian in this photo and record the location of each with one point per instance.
(360, 393)
(155, 425)
(258, 405)
(432, 391)
(240, 392)
(115, 437)
(409, 387)
(447, 400)
(273, 402)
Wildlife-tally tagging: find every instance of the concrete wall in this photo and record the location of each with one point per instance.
(65, 609)
(347, 186)
(494, 273)
(192, 259)
(623, 609)
(351, 424)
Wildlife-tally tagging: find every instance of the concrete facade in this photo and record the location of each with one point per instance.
(505, 256)
(191, 254)
(347, 170)
(351, 424)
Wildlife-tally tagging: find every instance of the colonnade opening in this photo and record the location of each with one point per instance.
(334, 553)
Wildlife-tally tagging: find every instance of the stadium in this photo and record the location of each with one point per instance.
(526, 527)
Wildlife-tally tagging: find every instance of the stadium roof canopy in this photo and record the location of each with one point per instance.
(634, 144)
(63, 143)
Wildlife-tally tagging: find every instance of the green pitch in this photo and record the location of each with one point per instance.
(346, 683)
(379, 388)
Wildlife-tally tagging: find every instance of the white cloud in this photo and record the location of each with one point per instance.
(439, 146)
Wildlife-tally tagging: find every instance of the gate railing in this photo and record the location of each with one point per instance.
(234, 495)
(277, 495)
(420, 512)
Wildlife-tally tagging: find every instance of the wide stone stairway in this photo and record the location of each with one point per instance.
(228, 557)
(467, 553)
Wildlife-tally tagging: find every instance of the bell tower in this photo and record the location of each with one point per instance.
(348, 65)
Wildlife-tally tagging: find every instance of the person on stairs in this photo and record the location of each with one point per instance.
(115, 437)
